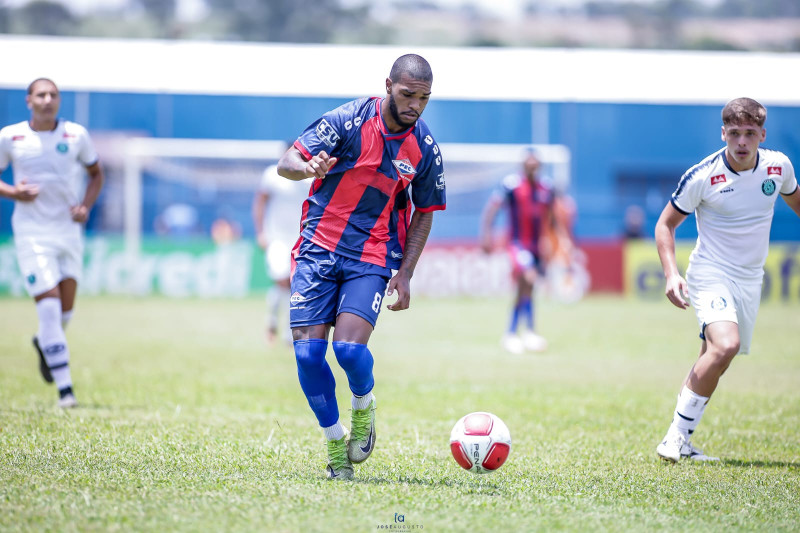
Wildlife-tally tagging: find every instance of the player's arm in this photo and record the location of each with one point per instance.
(21, 192)
(487, 221)
(417, 236)
(259, 205)
(80, 212)
(293, 165)
(676, 289)
(793, 200)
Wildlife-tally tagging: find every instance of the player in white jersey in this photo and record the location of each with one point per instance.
(732, 193)
(50, 157)
(277, 207)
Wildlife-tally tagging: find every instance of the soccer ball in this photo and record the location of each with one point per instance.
(480, 442)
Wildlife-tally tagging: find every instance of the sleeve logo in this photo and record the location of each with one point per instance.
(326, 133)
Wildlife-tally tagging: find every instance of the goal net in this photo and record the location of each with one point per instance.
(171, 187)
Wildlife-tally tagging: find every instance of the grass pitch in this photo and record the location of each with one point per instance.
(189, 422)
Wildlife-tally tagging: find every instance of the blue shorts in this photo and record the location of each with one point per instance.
(325, 284)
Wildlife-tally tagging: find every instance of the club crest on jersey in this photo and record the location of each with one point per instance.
(768, 187)
(719, 303)
(62, 148)
(404, 168)
(773, 170)
(718, 179)
(326, 133)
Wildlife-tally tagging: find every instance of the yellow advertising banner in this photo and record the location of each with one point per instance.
(645, 279)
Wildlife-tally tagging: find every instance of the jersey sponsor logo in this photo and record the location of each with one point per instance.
(326, 133)
(18, 138)
(404, 168)
(62, 148)
(440, 181)
(397, 255)
(719, 303)
(718, 179)
(768, 187)
(773, 170)
(726, 189)
(69, 135)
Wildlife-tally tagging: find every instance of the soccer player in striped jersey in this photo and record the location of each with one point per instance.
(50, 156)
(529, 204)
(377, 179)
(732, 193)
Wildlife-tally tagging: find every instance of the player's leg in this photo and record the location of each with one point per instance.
(716, 312)
(361, 297)
(312, 311)
(68, 289)
(527, 304)
(52, 343)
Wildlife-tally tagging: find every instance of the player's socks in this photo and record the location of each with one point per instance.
(53, 342)
(316, 379)
(526, 312)
(357, 362)
(362, 402)
(515, 315)
(334, 432)
(66, 317)
(688, 411)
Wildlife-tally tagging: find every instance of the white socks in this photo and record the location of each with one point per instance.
(688, 411)
(53, 341)
(334, 432)
(362, 402)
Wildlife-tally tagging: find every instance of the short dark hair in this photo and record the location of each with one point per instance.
(744, 111)
(37, 80)
(413, 65)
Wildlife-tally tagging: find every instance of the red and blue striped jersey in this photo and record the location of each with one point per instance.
(530, 207)
(362, 208)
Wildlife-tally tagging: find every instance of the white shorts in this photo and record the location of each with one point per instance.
(717, 297)
(279, 260)
(45, 261)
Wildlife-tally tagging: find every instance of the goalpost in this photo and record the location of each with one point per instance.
(208, 173)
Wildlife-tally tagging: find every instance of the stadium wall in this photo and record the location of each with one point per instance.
(633, 121)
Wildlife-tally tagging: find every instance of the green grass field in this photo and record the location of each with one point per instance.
(188, 422)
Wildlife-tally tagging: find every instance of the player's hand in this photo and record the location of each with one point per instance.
(80, 213)
(262, 241)
(319, 165)
(25, 192)
(677, 291)
(401, 283)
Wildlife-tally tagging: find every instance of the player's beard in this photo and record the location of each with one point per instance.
(396, 115)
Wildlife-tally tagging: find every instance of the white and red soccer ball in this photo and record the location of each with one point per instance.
(480, 442)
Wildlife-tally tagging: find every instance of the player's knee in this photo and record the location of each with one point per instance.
(724, 350)
(310, 353)
(357, 362)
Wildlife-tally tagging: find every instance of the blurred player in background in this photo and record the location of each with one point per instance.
(277, 206)
(530, 205)
(732, 193)
(357, 227)
(49, 155)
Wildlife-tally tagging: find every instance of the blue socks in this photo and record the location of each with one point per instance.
(357, 362)
(522, 311)
(316, 377)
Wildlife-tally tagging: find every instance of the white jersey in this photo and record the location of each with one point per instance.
(284, 206)
(55, 161)
(734, 209)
